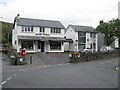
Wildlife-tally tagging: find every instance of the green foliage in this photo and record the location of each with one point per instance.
(106, 28)
(9, 44)
(110, 29)
(116, 28)
(4, 40)
(7, 30)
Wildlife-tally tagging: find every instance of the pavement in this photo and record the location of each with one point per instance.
(40, 60)
(92, 74)
(47, 59)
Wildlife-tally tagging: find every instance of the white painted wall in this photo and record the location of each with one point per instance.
(88, 42)
(70, 33)
(18, 31)
(66, 46)
(116, 43)
(96, 42)
(36, 31)
(15, 38)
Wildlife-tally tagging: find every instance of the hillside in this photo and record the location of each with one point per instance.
(6, 32)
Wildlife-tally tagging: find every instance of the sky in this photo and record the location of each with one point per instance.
(75, 12)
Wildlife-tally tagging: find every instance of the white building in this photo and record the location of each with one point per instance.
(117, 40)
(82, 36)
(38, 35)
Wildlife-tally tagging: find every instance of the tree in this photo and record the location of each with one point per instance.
(116, 28)
(106, 28)
(7, 29)
(4, 40)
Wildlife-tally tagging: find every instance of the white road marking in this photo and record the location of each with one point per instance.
(60, 64)
(67, 63)
(0, 86)
(108, 61)
(45, 66)
(105, 62)
(101, 62)
(3, 82)
(54, 65)
(49, 66)
(21, 70)
(9, 78)
(15, 74)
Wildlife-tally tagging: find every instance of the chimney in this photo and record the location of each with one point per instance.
(101, 21)
(18, 16)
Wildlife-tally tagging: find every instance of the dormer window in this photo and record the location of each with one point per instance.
(27, 29)
(55, 30)
(42, 29)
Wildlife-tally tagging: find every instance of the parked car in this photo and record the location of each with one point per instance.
(106, 49)
(88, 50)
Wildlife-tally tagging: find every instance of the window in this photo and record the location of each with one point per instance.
(55, 45)
(81, 34)
(93, 35)
(27, 44)
(82, 39)
(55, 30)
(27, 29)
(22, 28)
(15, 42)
(31, 29)
(42, 29)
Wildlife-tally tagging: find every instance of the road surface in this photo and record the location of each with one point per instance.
(93, 74)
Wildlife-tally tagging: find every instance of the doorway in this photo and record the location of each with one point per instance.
(39, 47)
(42, 46)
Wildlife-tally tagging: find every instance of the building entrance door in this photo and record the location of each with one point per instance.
(39, 47)
(42, 46)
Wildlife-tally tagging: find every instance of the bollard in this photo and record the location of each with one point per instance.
(30, 59)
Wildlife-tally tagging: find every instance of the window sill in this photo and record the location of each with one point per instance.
(55, 49)
(26, 32)
(55, 33)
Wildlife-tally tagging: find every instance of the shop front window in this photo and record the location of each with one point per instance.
(55, 45)
(27, 44)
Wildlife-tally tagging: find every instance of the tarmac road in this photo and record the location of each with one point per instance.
(93, 74)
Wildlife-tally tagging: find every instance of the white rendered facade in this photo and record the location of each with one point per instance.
(37, 41)
(76, 46)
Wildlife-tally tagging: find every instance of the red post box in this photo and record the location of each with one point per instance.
(23, 52)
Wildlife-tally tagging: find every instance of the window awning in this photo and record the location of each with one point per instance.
(41, 38)
(44, 38)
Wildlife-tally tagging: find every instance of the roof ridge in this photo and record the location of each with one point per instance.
(40, 19)
(80, 25)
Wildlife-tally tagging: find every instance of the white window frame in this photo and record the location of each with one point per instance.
(42, 29)
(56, 30)
(26, 28)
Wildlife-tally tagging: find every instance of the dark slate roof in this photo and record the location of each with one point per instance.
(39, 22)
(82, 28)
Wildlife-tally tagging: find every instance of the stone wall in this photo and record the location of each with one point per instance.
(95, 56)
(12, 52)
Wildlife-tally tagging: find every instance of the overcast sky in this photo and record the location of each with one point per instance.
(76, 12)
